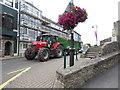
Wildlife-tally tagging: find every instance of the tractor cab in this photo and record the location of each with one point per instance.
(50, 39)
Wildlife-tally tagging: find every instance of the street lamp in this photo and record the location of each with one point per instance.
(96, 34)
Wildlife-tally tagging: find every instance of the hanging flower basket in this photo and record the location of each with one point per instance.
(71, 19)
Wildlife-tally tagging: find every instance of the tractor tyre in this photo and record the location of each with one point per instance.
(43, 54)
(59, 51)
(30, 54)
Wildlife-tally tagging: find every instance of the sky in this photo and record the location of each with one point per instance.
(102, 13)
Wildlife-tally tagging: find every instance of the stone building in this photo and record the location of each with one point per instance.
(8, 27)
(117, 30)
(115, 34)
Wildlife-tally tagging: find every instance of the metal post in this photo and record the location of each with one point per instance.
(76, 56)
(64, 59)
(72, 50)
(19, 3)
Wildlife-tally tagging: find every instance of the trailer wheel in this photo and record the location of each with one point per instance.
(59, 51)
(30, 54)
(43, 54)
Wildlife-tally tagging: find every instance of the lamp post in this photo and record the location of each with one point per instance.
(96, 34)
(72, 49)
(19, 3)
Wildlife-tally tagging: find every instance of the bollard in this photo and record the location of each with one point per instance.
(76, 56)
(64, 59)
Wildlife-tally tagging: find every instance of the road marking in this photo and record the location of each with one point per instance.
(4, 84)
(15, 71)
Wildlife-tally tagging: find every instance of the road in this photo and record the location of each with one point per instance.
(15, 64)
(10, 68)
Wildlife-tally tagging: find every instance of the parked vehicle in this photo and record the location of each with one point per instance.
(47, 46)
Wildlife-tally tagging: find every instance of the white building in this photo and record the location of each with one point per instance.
(77, 36)
(54, 28)
(30, 24)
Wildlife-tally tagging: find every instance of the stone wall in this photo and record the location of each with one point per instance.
(77, 76)
(110, 47)
(102, 42)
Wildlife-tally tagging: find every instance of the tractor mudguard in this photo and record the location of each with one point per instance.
(56, 45)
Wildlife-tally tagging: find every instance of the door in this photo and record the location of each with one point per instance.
(8, 48)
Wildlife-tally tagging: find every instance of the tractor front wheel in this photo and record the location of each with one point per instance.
(59, 51)
(43, 54)
(30, 54)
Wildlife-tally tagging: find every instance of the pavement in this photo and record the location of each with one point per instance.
(9, 57)
(42, 75)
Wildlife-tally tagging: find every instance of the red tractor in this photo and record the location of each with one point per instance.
(44, 47)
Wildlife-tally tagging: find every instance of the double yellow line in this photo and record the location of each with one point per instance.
(4, 84)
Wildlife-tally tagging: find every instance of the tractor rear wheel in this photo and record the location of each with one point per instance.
(59, 51)
(30, 54)
(43, 54)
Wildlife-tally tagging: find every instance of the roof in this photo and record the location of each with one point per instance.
(77, 33)
(32, 5)
(68, 8)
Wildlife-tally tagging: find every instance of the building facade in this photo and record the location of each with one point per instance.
(33, 24)
(77, 36)
(30, 25)
(21, 23)
(116, 31)
(8, 27)
(54, 29)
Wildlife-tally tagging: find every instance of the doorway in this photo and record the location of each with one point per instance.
(8, 48)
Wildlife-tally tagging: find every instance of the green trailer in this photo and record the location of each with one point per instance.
(66, 43)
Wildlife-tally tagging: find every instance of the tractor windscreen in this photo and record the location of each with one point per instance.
(43, 38)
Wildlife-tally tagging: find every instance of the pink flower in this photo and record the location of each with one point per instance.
(70, 20)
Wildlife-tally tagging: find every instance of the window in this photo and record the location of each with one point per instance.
(24, 30)
(7, 21)
(25, 45)
(9, 2)
(32, 34)
(1, 0)
(16, 4)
